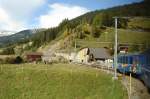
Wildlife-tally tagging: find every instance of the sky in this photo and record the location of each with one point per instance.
(17, 15)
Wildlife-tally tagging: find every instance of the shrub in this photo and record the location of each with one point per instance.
(11, 60)
(18, 60)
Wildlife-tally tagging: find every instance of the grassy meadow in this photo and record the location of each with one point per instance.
(107, 38)
(57, 81)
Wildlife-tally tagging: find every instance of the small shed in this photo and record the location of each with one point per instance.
(34, 56)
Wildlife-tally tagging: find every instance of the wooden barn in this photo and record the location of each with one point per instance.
(34, 56)
(92, 54)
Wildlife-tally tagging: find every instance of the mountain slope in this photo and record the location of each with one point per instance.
(17, 37)
(6, 33)
(136, 9)
(84, 26)
(93, 26)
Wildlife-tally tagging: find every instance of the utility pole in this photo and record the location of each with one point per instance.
(130, 84)
(116, 45)
(115, 49)
(75, 45)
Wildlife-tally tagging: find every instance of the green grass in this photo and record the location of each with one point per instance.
(139, 22)
(124, 36)
(59, 81)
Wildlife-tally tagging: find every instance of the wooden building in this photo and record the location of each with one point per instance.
(33, 56)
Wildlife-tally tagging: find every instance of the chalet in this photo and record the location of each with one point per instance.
(34, 56)
(92, 54)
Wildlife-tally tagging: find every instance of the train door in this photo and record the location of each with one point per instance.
(138, 61)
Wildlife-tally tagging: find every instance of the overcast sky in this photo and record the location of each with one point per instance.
(23, 14)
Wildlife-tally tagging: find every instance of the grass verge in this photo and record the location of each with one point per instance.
(58, 81)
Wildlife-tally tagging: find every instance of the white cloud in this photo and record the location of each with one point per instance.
(15, 14)
(21, 9)
(18, 14)
(6, 23)
(58, 12)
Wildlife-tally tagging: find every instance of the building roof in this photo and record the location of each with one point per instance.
(100, 53)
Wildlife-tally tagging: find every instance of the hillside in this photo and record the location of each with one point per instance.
(6, 33)
(136, 9)
(125, 36)
(93, 25)
(18, 37)
(95, 29)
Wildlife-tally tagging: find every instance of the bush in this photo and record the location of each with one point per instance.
(11, 60)
(18, 60)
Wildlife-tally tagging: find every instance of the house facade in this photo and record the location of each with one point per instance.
(33, 56)
(86, 55)
(82, 55)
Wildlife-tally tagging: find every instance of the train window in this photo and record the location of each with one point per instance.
(124, 60)
(148, 60)
(120, 59)
(130, 60)
(142, 59)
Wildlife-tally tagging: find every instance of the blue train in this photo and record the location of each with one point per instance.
(131, 63)
(137, 64)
